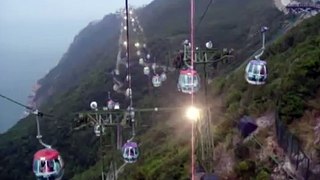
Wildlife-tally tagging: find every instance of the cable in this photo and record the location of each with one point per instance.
(36, 112)
(129, 72)
(204, 14)
(16, 102)
(128, 52)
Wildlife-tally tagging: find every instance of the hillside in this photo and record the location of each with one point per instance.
(83, 75)
(292, 89)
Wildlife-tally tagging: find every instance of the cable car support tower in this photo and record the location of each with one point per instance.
(203, 132)
(193, 58)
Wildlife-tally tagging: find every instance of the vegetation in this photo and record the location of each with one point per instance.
(293, 59)
(292, 86)
(82, 76)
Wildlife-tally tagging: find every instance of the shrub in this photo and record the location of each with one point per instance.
(263, 175)
(241, 151)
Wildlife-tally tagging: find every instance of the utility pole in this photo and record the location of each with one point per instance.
(204, 135)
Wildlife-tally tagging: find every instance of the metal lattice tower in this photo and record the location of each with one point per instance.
(204, 137)
(116, 120)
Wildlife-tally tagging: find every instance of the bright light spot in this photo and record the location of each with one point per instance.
(125, 27)
(117, 106)
(193, 113)
(130, 12)
(209, 45)
(132, 20)
(125, 43)
(137, 44)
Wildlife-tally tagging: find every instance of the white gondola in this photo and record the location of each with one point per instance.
(131, 111)
(163, 76)
(94, 105)
(129, 92)
(156, 81)
(98, 129)
(148, 56)
(111, 104)
(128, 78)
(117, 72)
(141, 61)
(146, 70)
(256, 72)
(154, 66)
(189, 81)
(116, 87)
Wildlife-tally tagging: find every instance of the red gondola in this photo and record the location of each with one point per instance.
(48, 164)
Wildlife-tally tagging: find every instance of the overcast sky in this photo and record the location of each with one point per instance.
(34, 34)
(59, 10)
(50, 22)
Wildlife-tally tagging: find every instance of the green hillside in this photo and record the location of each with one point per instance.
(293, 85)
(83, 75)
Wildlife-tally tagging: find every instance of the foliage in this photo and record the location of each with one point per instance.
(245, 169)
(241, 151)
(263, 175)
(82, 75)
(294, 72)
(293, 80)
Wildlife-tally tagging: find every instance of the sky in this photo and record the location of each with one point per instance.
(34, 34)
(50, 22)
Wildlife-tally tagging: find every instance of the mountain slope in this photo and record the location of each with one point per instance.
(293, 80)
(82, 76)
(87, 48)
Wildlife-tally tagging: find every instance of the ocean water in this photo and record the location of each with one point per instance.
(27, 53)
(19, 71)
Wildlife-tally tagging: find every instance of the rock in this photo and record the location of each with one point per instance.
(265, 121)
